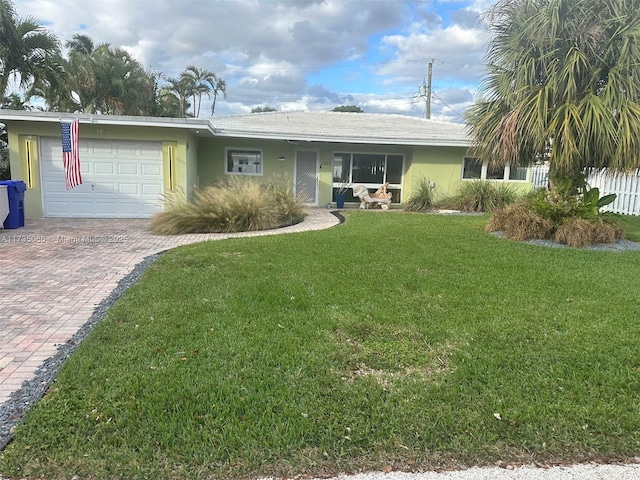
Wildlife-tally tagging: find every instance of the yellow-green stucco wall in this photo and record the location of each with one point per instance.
(19, 132)
(198, 161)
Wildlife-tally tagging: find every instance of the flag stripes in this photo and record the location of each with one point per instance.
(71, 153)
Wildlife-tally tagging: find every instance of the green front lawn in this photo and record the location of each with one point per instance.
(403, 340)
(631, 226)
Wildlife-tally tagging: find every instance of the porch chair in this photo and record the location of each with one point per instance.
(381, 197)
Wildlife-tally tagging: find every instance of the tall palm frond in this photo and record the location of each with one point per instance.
(561, 85)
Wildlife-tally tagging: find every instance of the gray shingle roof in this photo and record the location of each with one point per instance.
(338, 127)
(342, 127)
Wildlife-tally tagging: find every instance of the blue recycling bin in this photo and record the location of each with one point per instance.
(15, 194)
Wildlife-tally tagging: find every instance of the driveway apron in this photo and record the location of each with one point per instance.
(54, 272)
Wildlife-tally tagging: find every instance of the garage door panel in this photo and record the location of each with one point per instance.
(151, 170)
(104, 189)
(53, 187)
(152, 191)
(129, 189)
(103, 168)
(127, 168)
(58, 207)
(102, 149)
(121, 179)
(61, 207)
(152, 209)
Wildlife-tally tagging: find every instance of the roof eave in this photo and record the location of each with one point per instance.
(438, 142)
(90, 119)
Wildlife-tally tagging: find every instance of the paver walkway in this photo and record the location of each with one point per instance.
(54, 272)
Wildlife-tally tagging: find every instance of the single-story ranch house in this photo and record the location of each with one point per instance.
(129, 163)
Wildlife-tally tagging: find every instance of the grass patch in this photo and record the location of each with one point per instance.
(339, 350)
(631, 225)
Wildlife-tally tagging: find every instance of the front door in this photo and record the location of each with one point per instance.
(307, 177)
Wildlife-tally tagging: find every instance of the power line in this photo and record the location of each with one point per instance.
(460, 115)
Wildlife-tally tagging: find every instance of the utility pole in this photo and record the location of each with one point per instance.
(428, 109)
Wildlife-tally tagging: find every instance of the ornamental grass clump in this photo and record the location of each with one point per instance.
(235, 204)
(519, 223)
(483, 196)
(290, 209)
(580, 232)
(421, 198)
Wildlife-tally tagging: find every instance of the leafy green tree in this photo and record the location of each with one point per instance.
(182, 88)
(263, 109)
(348, 108)
(100, 79)
(80, 44)
(74, 91)
(167, 103)
(27, 50)
(562, 86)
(14, 101)
(122, 85)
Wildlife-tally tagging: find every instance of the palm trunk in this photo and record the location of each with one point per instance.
(4, 81)
(213, 105)
(567, 183)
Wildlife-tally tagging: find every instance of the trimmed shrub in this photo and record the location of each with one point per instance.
(235, 204)
(421, 198)
(518, 222)
(580, 232)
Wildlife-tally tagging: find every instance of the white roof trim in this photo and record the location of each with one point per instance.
(442, 142)
(92, 119)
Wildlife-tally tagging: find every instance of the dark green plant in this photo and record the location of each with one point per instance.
(592, 202)
(421, 198)
(559, 207)
(552, 205)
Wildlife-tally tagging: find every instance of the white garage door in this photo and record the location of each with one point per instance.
(120, 179)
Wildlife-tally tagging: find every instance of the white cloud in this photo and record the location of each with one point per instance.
(266, 49)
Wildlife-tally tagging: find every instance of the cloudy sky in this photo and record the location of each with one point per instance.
(296, 54)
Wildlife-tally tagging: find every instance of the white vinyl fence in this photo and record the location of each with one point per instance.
(625, 186)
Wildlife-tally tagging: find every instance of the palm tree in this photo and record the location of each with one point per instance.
(26, 49)
(220, 87)
(562, 86)
(122, 86)
(182, 88)
(202, 82)
(80, 44)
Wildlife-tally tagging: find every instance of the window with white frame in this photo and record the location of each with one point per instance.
(474, 169)
(369, 169)
(243, 161)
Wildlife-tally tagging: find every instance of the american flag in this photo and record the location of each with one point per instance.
(71, 153)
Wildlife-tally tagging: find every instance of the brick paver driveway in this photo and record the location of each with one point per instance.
(54, 272)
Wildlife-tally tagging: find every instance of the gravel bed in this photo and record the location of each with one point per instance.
(619, 246)
(14, 409)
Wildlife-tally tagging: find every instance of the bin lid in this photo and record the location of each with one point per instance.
(18, 185)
